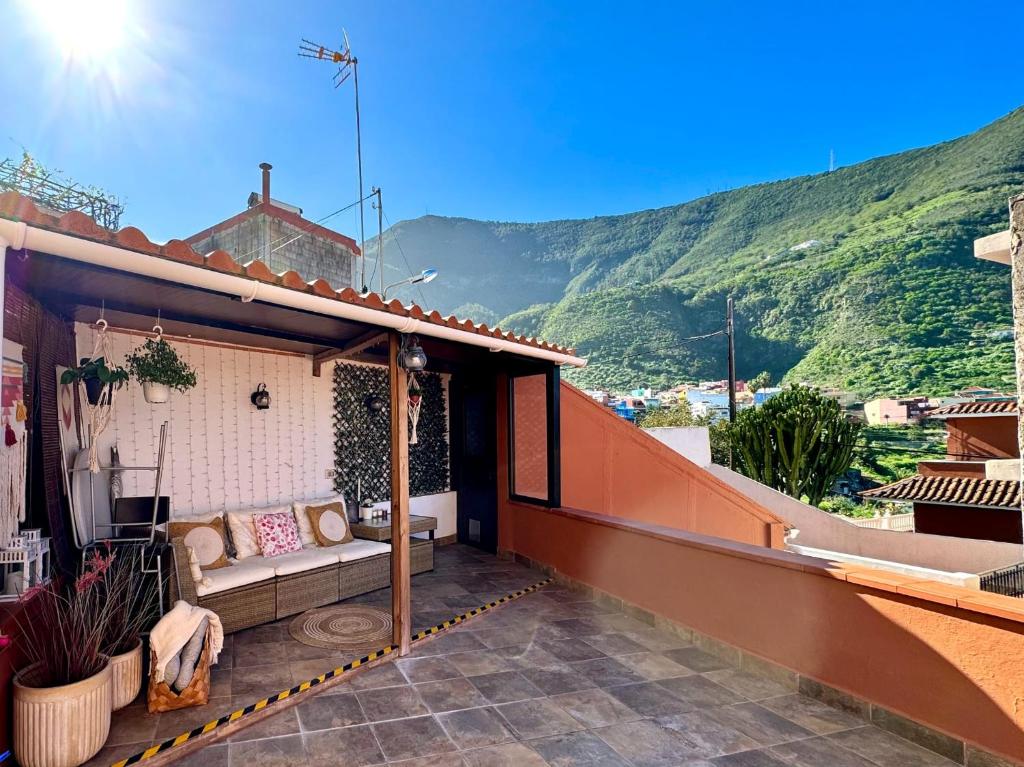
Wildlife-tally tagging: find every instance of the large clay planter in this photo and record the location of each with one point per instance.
(126, 670)
(61, 726)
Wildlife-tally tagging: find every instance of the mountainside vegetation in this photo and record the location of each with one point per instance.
(862, 279)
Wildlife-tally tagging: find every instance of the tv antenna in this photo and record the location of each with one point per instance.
(348, 65)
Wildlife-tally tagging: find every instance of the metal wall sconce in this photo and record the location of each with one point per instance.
(413, 357)
(261, 397)
(374, 403)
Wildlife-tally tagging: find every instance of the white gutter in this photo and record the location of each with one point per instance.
(18, 235)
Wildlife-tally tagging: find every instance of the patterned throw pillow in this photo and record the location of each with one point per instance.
(329, 523)
(302, 517)
(207, 539)
(277, 533)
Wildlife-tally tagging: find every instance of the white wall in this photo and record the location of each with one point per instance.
(222, 453)
(691, 442)
(820, 530)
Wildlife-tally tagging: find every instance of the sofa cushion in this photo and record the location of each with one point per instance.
(357, 549)
(296, 561)
(207, 539)
(243, 530)
(330, 524)
(302, 518)
(277, 534)
(232, 577)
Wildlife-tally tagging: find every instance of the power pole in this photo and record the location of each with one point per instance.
(731, 335)
(380, 237)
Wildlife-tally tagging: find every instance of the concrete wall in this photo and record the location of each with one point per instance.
(820, 530)
(308, 254)
(691, 442)
(950, 658)
(611, 466)
(969, 522)
(981, 438)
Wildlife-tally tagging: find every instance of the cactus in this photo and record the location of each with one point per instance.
(798, 442)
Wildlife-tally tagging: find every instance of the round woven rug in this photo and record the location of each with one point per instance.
(343, 627)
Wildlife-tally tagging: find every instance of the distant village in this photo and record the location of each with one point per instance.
(710, 400)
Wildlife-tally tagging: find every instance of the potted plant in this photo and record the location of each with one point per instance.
(159, 368)
(62, 699)
(98, 377)
(130, 606)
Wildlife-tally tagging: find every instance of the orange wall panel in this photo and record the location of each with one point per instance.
(612, 467)
(981, 438)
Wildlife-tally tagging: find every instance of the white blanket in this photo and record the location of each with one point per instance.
(174, 630)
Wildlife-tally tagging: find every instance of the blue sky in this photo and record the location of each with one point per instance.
(511, 111)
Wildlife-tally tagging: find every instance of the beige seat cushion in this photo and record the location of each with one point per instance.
(302, 518)
(358, 549)
(233, 576)
(296, 561)
(330, 524)
(207, 539)
(243, 531)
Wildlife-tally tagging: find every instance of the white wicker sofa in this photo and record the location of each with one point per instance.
(255, 589)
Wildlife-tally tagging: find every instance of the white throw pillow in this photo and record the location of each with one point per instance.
(243, 531)
(302, 518)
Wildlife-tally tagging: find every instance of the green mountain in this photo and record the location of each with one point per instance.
(862, 278)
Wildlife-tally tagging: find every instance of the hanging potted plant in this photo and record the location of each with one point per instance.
(100, 379)
(158, 367)
(62, 699)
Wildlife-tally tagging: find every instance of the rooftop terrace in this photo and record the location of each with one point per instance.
(553, 678)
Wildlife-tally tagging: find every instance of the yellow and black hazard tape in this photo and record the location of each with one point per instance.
(234, 716)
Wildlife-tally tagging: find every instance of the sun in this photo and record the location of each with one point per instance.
(85, 31)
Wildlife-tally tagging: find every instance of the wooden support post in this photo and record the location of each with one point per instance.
(401, 611)
(1017, 281)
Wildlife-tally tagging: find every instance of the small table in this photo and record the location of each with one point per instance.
(380, 529)
(421, 551)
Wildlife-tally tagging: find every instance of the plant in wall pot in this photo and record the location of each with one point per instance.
(157, 366)
(100, 379)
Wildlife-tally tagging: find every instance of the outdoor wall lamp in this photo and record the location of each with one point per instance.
(374, 403)
(427, 275)
(261, 397)
(413, 357)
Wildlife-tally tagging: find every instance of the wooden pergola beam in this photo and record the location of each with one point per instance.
(401, 609)
(994, 247)
(353, 347)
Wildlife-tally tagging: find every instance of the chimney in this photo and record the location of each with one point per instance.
(265, 167)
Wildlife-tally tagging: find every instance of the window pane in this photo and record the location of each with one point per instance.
(530, 436)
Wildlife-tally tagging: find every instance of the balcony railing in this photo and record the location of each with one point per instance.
(902, 523)
(1007, 580)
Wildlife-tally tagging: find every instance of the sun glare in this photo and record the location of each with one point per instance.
(86, 31)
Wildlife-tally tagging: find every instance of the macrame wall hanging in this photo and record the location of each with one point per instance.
(14, 451)
(415, 401)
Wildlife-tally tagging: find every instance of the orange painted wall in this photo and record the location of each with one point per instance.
(988, 437)
(956, 669)
(612, 467)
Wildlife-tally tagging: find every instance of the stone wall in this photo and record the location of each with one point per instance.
(290, 248)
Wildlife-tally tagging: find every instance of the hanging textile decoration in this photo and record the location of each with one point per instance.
(100, 413)
(415, 400)
(14, 451)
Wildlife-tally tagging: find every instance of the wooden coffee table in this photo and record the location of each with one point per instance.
(421, 551)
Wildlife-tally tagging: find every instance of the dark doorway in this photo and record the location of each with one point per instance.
(475, 457)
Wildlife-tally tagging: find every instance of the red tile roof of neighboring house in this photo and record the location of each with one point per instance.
(983, 407)
(961, 491)
(281, 214)
(18, 208)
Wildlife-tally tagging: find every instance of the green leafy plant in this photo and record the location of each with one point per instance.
(157, 361)
(95, 370)
(798, 442)
(761, 381)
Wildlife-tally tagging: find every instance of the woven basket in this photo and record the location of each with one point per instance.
(161, 697)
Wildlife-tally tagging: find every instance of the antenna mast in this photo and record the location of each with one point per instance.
(347, 65)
